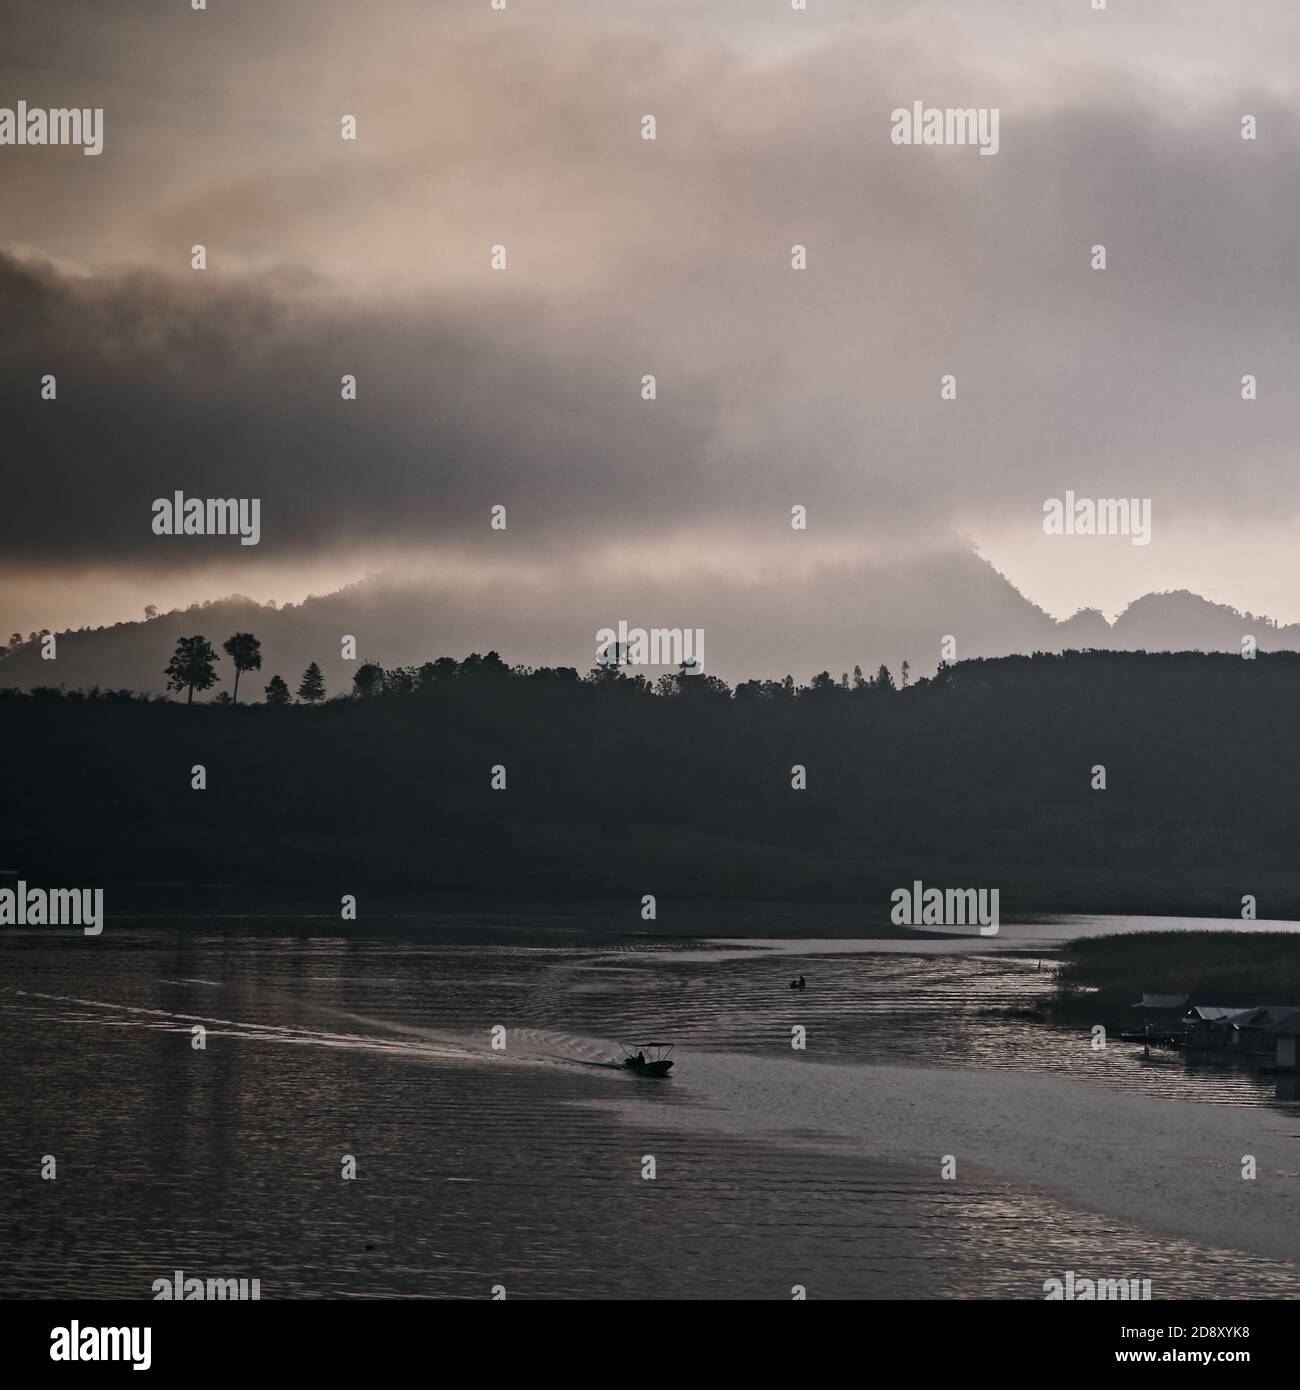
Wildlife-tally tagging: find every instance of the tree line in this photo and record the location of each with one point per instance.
(193, 667)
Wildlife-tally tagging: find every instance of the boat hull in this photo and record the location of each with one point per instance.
(649, 1068)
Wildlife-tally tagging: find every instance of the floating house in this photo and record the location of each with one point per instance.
(1260, 1030)
(1232, 1025)
(1286, 1040)
(1210, 1025)
(1161, 1015)
(1256, 1029)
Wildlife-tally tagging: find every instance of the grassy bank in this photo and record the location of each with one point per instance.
(1102, 976)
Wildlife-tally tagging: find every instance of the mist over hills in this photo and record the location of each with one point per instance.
(877, 614)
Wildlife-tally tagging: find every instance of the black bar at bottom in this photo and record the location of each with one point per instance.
(200, 1340)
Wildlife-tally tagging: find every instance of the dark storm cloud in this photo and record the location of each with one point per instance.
(237, 393)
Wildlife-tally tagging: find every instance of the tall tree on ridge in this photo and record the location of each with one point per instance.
(246, 652)
(191, 667)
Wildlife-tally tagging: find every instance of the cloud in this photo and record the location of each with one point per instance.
(628, 257)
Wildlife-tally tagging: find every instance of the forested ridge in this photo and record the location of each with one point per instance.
(981, 776)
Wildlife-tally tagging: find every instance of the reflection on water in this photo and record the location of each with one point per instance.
(940, 1010)
(474, 1169)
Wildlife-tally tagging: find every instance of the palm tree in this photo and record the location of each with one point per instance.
(246, 652)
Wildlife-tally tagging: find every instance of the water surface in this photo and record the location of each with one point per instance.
(520, 1168)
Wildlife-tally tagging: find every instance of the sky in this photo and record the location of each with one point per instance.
(522, 387)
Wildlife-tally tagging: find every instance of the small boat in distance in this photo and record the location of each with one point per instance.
(648, 1058)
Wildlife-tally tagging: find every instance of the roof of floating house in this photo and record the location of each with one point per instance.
(1216, 1013)
(1164, 1001)
(1272, 1018)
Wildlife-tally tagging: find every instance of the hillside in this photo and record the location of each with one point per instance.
(981, 777)
(887, 613)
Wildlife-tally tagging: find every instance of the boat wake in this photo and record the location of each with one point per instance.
(523, 1046)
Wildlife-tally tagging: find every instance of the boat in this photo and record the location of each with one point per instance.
(648, 1058)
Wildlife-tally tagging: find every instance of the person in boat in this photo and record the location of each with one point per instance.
(640, 1059)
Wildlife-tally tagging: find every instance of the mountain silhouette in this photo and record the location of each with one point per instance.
(867, 616)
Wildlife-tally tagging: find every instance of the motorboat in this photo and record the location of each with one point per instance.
(648, 1058)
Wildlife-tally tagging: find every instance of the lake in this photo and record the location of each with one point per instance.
(523, 1167)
